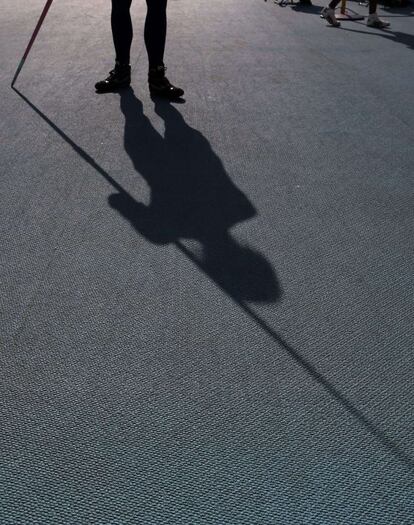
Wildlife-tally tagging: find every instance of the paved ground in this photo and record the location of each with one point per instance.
(207, 308)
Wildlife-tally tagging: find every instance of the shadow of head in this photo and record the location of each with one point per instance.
(240, 271)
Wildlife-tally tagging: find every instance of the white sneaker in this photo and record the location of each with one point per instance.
(329, 15)
(374, 21)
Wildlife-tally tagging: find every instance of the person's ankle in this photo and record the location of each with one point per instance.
(156, 70)
(124, 66)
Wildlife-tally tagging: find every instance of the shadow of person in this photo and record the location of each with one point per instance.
(128, 206)
(394, 8)
(393, 36)
(309, 9)
(192, 197)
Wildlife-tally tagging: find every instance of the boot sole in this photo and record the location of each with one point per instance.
(165, 94)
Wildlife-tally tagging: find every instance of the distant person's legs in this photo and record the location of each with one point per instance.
(373, 20)
(328, 13)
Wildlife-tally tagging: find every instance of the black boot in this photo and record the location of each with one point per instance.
(119, 77)
(160, 86)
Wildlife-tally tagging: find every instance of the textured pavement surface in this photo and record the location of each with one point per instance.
(207, 308)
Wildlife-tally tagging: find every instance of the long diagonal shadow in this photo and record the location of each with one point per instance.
(319, 378)
(392, 36)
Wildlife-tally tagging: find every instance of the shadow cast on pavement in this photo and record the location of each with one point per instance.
(134, 212)
(393, 36)
(192, 197)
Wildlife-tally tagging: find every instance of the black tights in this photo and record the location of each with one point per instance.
(155, 30)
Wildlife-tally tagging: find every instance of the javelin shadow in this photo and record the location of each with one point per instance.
(127, 206)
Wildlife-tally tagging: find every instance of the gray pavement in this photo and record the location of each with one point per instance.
(207, 308)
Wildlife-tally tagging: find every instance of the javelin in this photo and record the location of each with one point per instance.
(39, 24)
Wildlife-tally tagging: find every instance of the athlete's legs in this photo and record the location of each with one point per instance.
(120, 76)
(121, 29)
(155, 31)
